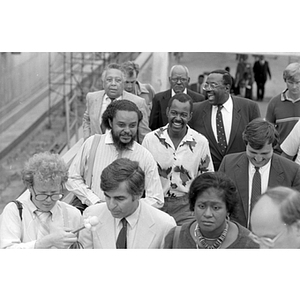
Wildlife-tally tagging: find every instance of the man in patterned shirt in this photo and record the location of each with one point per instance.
(181, 154)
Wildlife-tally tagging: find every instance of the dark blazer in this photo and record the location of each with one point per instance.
(244, 111)
(261, 72)
(158, 116)
(283, 172)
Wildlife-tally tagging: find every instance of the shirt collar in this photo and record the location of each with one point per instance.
(106, 97)
(109, 140)
(262, 169)
(228, 105)
(285, 97)
(133, 218)
(141, 88)
(173, 93)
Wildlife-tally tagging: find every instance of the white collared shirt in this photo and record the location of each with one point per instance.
(106, 101)
(227, 112)
(131, 227)
(173, 93)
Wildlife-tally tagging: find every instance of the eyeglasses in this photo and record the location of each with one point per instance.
(293, 82)
(211, 85)
(270, 243)
(175, 79)
(42, 197)
(174, 114)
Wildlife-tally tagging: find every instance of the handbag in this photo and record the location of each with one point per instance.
(73, 199)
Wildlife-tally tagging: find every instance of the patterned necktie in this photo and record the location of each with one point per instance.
(256, 187)
(220, 130)
(43, 226)
(122, 237)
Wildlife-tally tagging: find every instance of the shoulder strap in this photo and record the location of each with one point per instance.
(19, 206)
(176, 237)
(91, 159)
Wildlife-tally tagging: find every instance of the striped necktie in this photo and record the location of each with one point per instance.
(43, 223)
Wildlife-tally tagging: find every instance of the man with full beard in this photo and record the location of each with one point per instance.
(181, 154)
(121, 118)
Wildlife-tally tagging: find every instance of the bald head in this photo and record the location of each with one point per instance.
(277, 214)
(179, 78)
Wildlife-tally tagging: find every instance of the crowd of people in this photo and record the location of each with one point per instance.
(181, 168)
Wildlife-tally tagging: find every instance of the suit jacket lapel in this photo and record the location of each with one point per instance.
(276, 176)
(207, 124)
(98, 106)
(144, 231)
(105, 232)
(236, 118)
(242, 181)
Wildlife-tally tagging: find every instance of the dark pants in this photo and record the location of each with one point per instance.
(179, 209)
(260, 90)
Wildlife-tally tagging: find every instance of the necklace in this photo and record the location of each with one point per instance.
(201, 240)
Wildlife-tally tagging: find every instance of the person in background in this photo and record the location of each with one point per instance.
(126, 222)
(222, 117)
(133, 86)
(258, 168)
(179, 80)
(227, 69)
(284, 109)
(261, 71)
(42, 220)
(198, 86)
(213, 198)
(181, 154)
(113, 79)
(275, 219)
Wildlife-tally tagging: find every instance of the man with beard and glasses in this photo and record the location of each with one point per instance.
(113, 79)
(181, 154)
(121, 118)
(222, 117)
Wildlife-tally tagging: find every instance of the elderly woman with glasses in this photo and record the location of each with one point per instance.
(213, 198)
(38, 218)
(275, 219)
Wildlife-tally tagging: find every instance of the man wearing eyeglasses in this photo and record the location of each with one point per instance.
(275, 219)
(222, 117)
(113, 79)
(181, 154)
(284, 109)
(41, 221)
(179, 81)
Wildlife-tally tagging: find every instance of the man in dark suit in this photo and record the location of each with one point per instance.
(261, 71)
(236, 113)
(258, 168)
(179, 80)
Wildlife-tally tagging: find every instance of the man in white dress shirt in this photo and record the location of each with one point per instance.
(125, 221)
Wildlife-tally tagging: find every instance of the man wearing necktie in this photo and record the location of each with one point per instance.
(258, 168)
(43, 221)
(222, 117)
(125, 221)
(113, 79)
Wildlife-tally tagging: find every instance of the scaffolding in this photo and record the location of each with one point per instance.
(71, 76)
